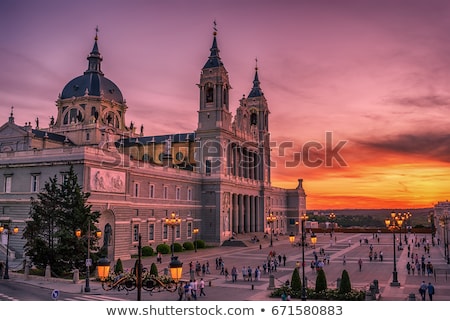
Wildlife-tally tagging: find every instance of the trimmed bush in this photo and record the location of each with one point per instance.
(321, 281)
(118, 268)
(345, 286)
(200, 244)
(163, 248)
(177, 247)
(188, 246)
(296, 283)
(147, 251)
(154, 269)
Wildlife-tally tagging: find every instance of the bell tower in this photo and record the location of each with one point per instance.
(214, 92)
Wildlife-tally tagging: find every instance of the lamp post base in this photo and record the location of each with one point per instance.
(395, 279)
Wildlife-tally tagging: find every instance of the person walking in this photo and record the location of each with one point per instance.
(202, 287)
(430, 289)
(360, 264)
(423, 290)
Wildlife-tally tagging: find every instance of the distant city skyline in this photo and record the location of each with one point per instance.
(358, 90)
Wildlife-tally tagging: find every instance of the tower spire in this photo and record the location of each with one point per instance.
(214, 58)
(95, 57)
(256, 90)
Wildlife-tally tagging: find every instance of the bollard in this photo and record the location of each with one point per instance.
(377, 287)
(209, 283)
(76, 276)
(271, 282)
(253, 286)
(48, 272)
(27, 269)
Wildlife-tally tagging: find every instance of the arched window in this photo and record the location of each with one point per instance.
(209, 93)
(253, 119)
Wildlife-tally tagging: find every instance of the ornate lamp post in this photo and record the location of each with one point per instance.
(15, 230)
(138, 280)
(304, 218)
(89, 235)
(173, 221)
(271, 219)
(394, 223)
(195, 231)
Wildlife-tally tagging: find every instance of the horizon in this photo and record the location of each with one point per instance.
(358, 90)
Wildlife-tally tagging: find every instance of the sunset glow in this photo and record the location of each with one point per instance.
(359, 91)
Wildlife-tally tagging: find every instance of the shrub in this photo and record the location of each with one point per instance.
(147, 251)
(163, 248)
(345, 286)
(200, 244)
(118, 268)
(188, 246)
(321, 281)
(296, 283)
(177, 247)
(154, 269)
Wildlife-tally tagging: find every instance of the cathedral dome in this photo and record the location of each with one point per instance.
(93, 82)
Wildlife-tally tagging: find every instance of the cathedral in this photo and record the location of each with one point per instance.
(215, 179)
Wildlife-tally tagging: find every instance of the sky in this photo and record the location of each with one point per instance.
(358, 90)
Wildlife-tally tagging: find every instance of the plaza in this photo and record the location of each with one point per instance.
(220, 289)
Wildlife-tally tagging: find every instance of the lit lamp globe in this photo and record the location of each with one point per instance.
(314, 239)
(176, 269)
(291, 238)
(103, 268)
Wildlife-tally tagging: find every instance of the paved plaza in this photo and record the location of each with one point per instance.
(255, 254)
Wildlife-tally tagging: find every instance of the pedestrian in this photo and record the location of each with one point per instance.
(180, 292)
(360, 264)
(430, 291)
(344, 260)
(381, 256)
(202, 287)
(408, 267)
(423, 290)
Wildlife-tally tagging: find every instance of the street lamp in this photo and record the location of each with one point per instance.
(97, 234)
(292, 238)
(443, 222)
(313, 239)
(139, 280)
(332, 217)
(270, 220)
(15, 230)
(394, 223)
(304, 218)
(173, 221)
(195, 231)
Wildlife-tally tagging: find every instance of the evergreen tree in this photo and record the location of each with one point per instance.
(321, 281)
(118, 268)
(345, 286)
(56, 212)
(154, 269)
(296, 283)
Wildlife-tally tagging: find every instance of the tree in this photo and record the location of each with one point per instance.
(296, 283)
(321, 281)
(154, 269)
(56, 212)
(345, 286)
(118, 268)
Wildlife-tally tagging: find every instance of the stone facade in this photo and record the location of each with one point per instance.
(216, 178)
